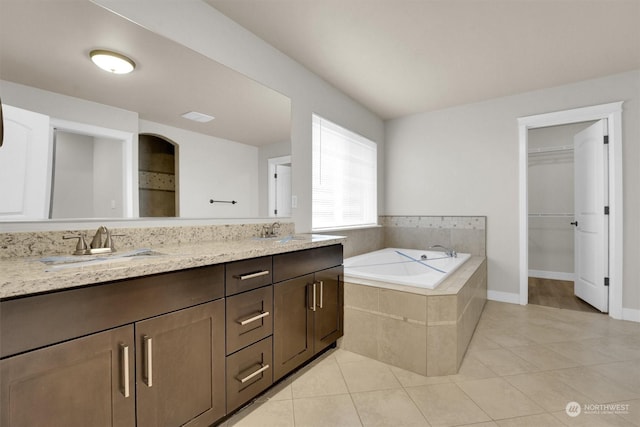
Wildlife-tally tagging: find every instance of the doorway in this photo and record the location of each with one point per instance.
(613, 114)
(280, 187)
(552, 223)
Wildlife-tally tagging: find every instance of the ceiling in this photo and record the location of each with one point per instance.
(46, 43)
(399, 57)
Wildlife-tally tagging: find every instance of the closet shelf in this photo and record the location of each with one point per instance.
(555, 215)
(544, 150)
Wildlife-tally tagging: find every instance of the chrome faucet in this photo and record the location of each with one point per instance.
(269, 230)
(449, 252)
(101, 243)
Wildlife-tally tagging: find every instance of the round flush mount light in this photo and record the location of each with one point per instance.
(111, 61)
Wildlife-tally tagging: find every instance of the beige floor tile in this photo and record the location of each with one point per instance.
(592, 420)
(325, 411)
(271, 413)
(499, 399)
(633, 413)
(540, 420)
(472, 369)
(616, 347)
(481, 341)
(345, 356)
(547, 390)
(508, 337)
(411, 379)
(625, 373)
(323, 379)
(543, 357)
(368, 375)
(580, 352)
(503, 362)
(446, 405)
(387, 408)
(594, 385)
(281, 391)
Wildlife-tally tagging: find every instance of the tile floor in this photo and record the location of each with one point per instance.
(522, 368)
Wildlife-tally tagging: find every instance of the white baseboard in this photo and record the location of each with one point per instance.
(503, 297)
(631, 314)
(553, 275)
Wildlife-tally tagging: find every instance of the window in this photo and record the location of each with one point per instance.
(344, 177)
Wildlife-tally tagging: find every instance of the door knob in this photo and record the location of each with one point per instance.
(575, 223)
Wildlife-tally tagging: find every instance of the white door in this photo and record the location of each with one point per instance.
(592, 226)
(283, 191)
(25, 169)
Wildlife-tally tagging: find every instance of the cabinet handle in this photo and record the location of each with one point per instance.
(124, 370)
(254, 318)
(253, 374)
(148, 360)
(313, 296)
(252, 275)
(321, 292)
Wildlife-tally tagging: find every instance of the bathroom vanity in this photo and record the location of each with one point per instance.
(178, 347)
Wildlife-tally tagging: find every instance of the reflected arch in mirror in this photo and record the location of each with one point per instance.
(158, 176)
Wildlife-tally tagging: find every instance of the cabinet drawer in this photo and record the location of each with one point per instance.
(295, 264)
(249, 372)
(248, 274)
(249, 318)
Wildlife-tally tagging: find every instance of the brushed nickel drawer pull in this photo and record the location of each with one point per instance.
(258, 372)
(124, 367)
(321, 296)
(254, 318)
(252, 275)
(148, 358)
(313, 307)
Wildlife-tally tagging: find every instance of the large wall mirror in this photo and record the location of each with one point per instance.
(93, 121)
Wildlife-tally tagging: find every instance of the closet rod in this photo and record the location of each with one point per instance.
(544, 150)
(556, 215)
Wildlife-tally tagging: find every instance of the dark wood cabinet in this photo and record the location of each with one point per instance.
(293, 325)
(180, 367)
(308, 310)
(183, 348)
(328, 316)
(84, 382)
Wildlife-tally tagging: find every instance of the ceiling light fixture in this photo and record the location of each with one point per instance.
(198, 117)
(112, 62)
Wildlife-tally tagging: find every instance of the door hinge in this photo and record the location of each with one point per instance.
(275, 175)
(606, 139)
(606, 281)
(275, 211)
(606, 210)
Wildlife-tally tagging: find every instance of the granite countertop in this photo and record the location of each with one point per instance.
(29, 275)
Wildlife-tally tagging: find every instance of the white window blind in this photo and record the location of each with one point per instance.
(344, 177)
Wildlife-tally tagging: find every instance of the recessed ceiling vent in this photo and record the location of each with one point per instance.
(198, 117)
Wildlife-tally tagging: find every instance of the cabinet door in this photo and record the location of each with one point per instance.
(328, 322)
(180, 367)
(84, 382)
(292, 324)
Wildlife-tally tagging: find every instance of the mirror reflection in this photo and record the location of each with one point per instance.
(48, 81)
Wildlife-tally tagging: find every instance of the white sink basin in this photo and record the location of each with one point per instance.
(61, 262)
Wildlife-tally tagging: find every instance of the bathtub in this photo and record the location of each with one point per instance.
(390, 267)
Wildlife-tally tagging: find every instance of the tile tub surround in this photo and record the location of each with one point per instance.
(427, 332)
(27, 275)
(463, 233)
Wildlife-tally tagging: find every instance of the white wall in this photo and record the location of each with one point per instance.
(212, 168)
(73, 176)
(205, 30)
(464, 161)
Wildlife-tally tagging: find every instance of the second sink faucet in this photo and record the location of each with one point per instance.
(269, 230)
(449, 252)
